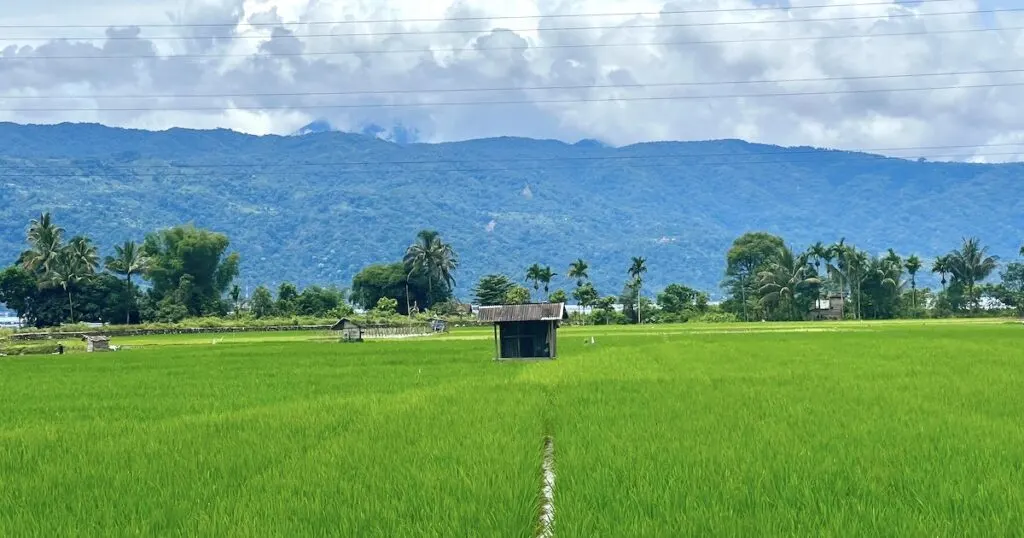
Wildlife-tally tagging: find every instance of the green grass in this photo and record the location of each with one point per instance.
(854, 429)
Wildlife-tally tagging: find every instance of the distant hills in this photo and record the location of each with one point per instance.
(318, 207)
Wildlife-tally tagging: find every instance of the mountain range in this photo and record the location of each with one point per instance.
(316, 207)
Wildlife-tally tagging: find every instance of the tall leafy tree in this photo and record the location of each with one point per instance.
(492, 289)
(637, 270)
(748, 256)
(190, 266)
(585, 295)
(579, 270)
(972, 264)
(128, 260)
(913, 265)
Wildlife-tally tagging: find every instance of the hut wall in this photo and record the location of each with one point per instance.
(526, 339)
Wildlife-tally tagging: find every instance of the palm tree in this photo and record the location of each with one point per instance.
(535, 274)
(84, 254)
(857, 264)
(942, 267)
(636, 271)
(546, 276)
(972, 264)
(435, 258)
(785, 276)
(913, 265)
(838, 252)
(45, 239)
(128, 260)
(70, 267)
(819, 252)
(579, 270)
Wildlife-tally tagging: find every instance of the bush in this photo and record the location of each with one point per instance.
(717, 317)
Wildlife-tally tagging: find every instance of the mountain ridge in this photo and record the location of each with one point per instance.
(318, 207)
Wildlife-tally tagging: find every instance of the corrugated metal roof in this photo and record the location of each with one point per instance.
(523, 312)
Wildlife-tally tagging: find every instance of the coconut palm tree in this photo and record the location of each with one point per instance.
(785, 276)
(972, 264)
(434, 258)
(129, 260)
(913, 265)
(71, 266)
(45, 240)
(637, 270)
(579, 270)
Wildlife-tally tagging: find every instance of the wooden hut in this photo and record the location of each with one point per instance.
(350, 331)
(526, 331)
(96, 343)
(828, 308)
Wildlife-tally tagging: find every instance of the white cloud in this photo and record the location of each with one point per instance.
(237, 59)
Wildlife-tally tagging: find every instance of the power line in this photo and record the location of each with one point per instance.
(298, 106)
(551, 29)
(522, 48)
(460, 19)
(520, 88)
(852, 153)
(176, 173)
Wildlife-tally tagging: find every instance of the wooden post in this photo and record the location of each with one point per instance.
(497, 343)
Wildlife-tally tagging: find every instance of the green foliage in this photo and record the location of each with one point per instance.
(492, 289)
(558, 296)
(517, 295)
(191, 266)
(678, 303)
(747, 258)
(386, 307)
(1010, 290)
(390, 280)
(788, 285)
(261, 304)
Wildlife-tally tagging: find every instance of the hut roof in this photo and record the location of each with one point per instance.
(88, 338)
(523, 312)
(342, 323)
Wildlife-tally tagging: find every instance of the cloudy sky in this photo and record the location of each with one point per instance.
(683, 70)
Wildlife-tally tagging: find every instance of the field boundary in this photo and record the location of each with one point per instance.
(547, 491)
(155, 332)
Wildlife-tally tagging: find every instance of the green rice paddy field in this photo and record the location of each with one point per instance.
(894, 429)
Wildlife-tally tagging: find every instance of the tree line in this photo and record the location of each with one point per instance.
(766, 279)
(184, 272)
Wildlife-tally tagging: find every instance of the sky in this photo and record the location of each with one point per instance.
(687, 70)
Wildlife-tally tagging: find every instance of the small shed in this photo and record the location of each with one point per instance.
(525, 331)
(350, 331)
(96, 343)
(831, 307)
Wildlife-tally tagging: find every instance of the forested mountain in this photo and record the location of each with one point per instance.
(319, 207)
